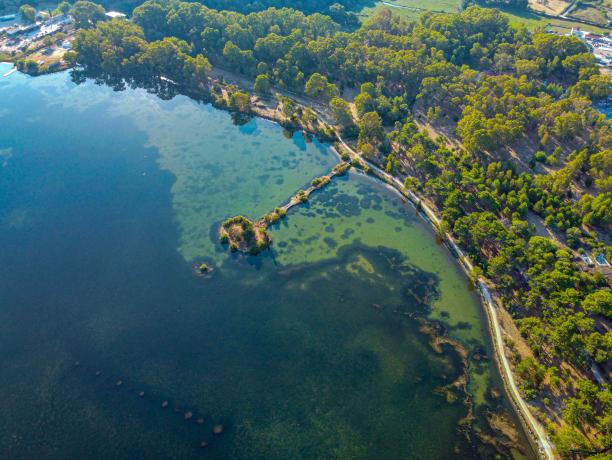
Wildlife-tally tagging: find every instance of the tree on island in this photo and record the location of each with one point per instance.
(243, 235)
(27, 13)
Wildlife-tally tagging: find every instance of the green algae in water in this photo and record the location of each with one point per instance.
(289, 354)
(357, 209)
(221, 170)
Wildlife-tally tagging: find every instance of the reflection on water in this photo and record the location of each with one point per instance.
(308, 351)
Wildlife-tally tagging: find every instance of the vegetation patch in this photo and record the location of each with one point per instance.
(341, 169)
(320, 181)
(302, 196)
(242, 234)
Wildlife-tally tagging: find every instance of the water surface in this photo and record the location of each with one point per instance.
(311, 350)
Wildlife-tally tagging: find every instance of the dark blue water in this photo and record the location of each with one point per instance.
(106, 200)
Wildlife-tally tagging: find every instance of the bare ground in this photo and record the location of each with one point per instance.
(552, 7)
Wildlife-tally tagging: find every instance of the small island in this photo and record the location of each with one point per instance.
(202, 270)
(242, 234)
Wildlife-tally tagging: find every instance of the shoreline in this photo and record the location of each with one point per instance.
(536, 433)
(533, 429)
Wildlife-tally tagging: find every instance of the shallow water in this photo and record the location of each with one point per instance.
(307, 351)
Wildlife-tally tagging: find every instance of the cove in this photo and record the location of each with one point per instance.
(309, 350)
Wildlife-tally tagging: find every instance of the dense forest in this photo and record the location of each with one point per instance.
(517, 149)
(342, 11)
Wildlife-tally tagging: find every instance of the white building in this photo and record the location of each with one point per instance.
(115, 15)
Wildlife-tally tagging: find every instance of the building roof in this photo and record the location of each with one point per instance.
(115, 14)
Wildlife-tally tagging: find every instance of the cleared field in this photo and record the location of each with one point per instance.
(412, 10)
(554, 7)
(432, 5)
(590, 12)
(533, 21)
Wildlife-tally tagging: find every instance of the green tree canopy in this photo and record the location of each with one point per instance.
(27, 13)
(599, 302)
(87, 14)
(341, 112)
(262, 84)
(318, 87)
(240, 102)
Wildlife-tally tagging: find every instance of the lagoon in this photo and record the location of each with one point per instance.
(313, 349)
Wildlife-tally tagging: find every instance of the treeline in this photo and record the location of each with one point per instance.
(342, 11)
(117, 52)
(531, 147)
(12, 6)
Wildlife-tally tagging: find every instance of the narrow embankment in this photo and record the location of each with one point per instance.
(243, 235)
(303, 195)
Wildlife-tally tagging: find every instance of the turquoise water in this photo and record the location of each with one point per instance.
(358, 210)
(310, 350)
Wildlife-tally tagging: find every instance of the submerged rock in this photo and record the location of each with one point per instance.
(165, 404)
(217, 429)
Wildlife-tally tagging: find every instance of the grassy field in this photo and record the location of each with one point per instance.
(533, 21)
(590, 12)
(412, 9)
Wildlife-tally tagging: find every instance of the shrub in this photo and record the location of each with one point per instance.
(540, 156)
